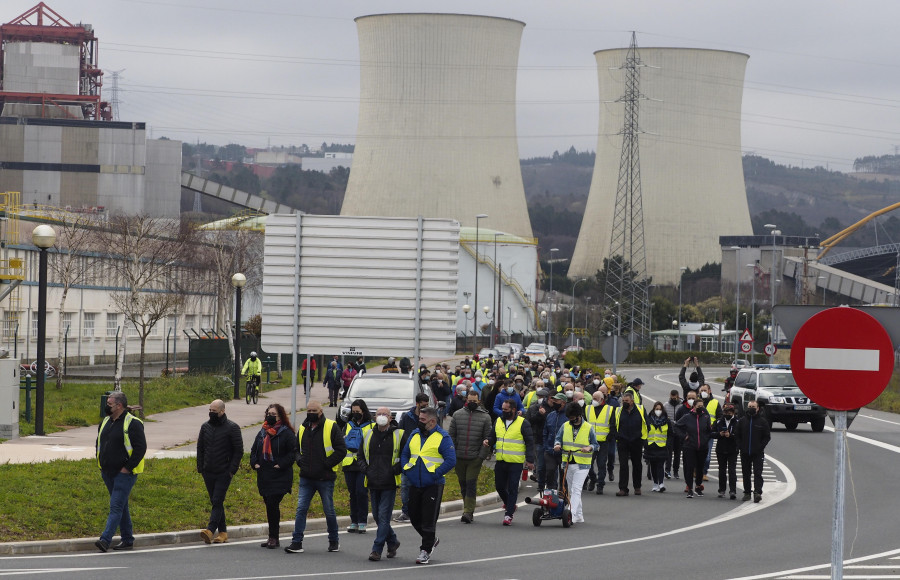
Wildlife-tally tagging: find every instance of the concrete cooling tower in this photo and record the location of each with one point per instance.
(437, 120)
(690, 159)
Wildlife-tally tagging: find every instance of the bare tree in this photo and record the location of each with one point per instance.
(149, 258)
(71, 263)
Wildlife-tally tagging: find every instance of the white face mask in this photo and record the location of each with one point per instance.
(694, 384)
(690, 402)
(462, 393)
(381, 420)
(581, 402)
(596, 382)
(595, 403)
(607, 374)
(570, 393)
(658, 412)
(510, 390)
(491, 382)
(540, 400)
(704, 395)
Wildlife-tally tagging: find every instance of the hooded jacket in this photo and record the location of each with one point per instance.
(555, 421)
(468, 430)
(418, 475)
(695, 430)
(686, 385)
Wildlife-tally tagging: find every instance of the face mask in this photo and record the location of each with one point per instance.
(381, 420)
(658, 412)
(581, 403)
(356, 417)
(596, 403)
(213, 417)
(109, 410)
(699, 409)
(508, 414)
(468, 376)
(540, 400)
(491, 382)
(607, 375)
(510, 390)
(596, 382)
(674, 400)
(575, 421)
(546, 381)
(694, 384)
(729, 415)
(252, 358)
(704, 395)
(422, 427)
(270, 420)
(626, 405)
(312, 418)
(462, 394)
(690, 402)
(751, 412)
(472, 405)
(570, 394)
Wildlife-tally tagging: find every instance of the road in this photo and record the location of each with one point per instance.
(788, 535)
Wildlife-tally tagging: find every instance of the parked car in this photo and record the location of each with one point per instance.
(739, 364)
(573, 348)
(517, 349)
(541, 351)
(488, 352)
(395, 391)
(504, 350)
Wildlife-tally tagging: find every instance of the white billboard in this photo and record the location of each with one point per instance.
(385, 286)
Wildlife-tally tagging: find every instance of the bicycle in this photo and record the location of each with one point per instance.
(252, 390)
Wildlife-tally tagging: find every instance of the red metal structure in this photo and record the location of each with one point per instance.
(43, 24)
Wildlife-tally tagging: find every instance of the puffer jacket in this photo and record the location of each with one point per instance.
(695, 430)
(468, 430)
(220, 447)
(418, 475)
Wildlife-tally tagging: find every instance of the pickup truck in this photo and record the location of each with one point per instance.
(779, 398)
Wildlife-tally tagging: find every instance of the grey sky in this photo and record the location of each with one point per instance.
(821, 85)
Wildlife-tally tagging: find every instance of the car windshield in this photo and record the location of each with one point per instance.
(537, 346)
(780, 380)
(382, 389)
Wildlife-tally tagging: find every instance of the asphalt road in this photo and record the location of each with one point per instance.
(788, 535)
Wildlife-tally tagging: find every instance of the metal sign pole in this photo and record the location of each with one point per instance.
(837, 525)
(296, 326)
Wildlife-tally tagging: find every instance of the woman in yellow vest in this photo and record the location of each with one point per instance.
(659, 436)
(360, 423)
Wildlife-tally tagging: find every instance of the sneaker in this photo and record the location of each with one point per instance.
(295, 548)
(611, 476)
(361, 529)
(690, 495)
(675, 474)
(352, 528)
(746, 497)
(423, 558)
(669, 475)
(622, 493)
(687, 488)
(701, 486)
(123, 546)
(533, 478)
(591, 485)
(599, 491)
(732, 495)
(662, 487)
(334, 546)
(721, 494)
(402, 518)
(757, 497)
(374, 556)
(102, 545)
(507, 520)
(705, 477)
(655, 488)
(699, 492)
(392, 550)
(206, 536)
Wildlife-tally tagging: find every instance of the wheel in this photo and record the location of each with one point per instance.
(768, 415)
(248, 390)
(255, 394)
(791, 425)
(537, 517)
(567, 518)
(817, 424)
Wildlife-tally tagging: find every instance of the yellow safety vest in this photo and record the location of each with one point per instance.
(643, 420)
(600, 421)
(529, 396)
(395, 454)
(351, 455)
(510, 444)
(636, 395)
(430, 453)
(574, 444)
(128, 418)
(658, 435)
(711, 408)
(326, 440)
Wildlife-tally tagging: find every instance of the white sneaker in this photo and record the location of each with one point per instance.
(655, 487)
(662, 487)
(424, 557)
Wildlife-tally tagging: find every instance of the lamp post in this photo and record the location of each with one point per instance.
(478, 219)
(772, 283)
(753, 308)
(737, 295)
(550, 319)
(494, 287)
(238, 281)
(486, 310)
(616, 342)
(466, 308)
(509, 321)
(680, 284)
(573, 301)
(43, 237)
(544, 319)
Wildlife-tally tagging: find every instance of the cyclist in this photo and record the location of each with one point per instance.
(253, 370)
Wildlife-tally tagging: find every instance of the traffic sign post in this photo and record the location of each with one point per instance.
(746, 347)
(836, 349)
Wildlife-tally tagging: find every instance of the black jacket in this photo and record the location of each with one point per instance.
(269, 480)
(220, 448)
(380, 469)
(753, 434)
(628, 426)
(313, 462)
(533, 415)
(112, 454)
(686, 385)
(694, 430)
(725, 444)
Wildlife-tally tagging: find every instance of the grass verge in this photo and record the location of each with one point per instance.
(889, 399)
(67, 499)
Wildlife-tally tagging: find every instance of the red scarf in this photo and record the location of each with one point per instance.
(267, 440)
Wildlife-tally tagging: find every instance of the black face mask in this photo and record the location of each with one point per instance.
(508, 414)
(575, 421)
(214, 418)
(270, 420)
(423, 428)
(751, 412)
(729, 415)
(109, 410)
(356, 417)
(471, 405)
(312, 418)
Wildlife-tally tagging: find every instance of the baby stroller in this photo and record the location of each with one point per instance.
(553, 504)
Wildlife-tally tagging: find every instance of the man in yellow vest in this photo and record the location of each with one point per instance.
(577, 442)
(380, 462)
(427, 456)
(121, 446)
(630, 427)
(513, 443)
(322, 450)
(599, 415)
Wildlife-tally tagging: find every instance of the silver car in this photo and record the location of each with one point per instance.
(397, 392)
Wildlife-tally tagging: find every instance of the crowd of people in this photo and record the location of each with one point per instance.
(537, 419)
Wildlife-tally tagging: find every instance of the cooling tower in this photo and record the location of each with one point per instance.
(690, 159)
(437, 120)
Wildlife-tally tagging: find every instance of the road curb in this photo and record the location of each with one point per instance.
(193, 536)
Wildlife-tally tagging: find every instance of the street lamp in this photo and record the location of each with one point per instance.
(550, 320)
(466, 308)
(753, 308)
(737, 297)
(573, 301)
(238, 281)
(680, 284)
(616, 342)
(494, 289)
(43, 237)
(478, 219)
(587, 301)
(486, 310)
(772, 273)
(544, 322)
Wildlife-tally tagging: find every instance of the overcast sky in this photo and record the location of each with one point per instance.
(822, 84)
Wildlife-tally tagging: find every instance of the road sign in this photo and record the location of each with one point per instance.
(617, 344)
(746, 337)
(770, 349)
(746, 347)
(351, 352)
(842, 358)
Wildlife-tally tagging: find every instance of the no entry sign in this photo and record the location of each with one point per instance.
(842, 358)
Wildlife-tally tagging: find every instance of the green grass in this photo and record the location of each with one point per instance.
(78, 404)
(889, 399)
(67, 499)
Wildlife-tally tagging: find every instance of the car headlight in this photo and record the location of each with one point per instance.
(778, 400)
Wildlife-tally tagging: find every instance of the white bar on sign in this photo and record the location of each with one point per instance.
(842, 359)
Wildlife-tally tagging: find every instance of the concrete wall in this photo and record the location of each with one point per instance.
(437, 120)
(690, 159)
(41, 67)
(163, 176)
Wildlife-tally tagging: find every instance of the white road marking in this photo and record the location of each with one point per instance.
(794, 573)
(31, 571)
(842, 359)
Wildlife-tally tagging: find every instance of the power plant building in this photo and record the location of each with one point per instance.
(437, 120)
(690, 159)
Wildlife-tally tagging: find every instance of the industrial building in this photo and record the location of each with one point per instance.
(437, 120)
(690, 159)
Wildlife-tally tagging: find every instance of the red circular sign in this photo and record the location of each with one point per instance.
(746, 347)
(842, 358)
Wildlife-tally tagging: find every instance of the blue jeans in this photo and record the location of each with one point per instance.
(506, 482)
(382, 506)
(307, 488)
(119, 486)
(359, 499)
